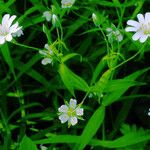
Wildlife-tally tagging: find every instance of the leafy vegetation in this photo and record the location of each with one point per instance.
(89, 57)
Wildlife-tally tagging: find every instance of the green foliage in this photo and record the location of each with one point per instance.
(108, 78)
(71, 80)
(91, 128)
(27, 144)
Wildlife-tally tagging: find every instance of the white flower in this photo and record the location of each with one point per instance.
(47, 15)
(47, 54)
(140, 27)
(149, 112)
(18, 33)
(70, 112)
(67, 3)
(7, 30)
(114, 34)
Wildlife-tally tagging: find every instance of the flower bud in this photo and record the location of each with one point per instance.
(96, 19)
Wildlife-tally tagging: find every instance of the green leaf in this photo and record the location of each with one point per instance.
(98, 70)
(59, 139)
(27, 144)
(77, 24)
(115, 85)
(124, 141)
(121, 142)
(69, 56)
(71, 80)
(91, 128)
(7, 56)
(101, 85)
(114, 96)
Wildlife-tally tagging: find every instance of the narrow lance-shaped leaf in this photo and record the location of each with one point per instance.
(71, 80)
(114, 96)
(99, 87)
(123, 141)
(91, 128)
(7, 56)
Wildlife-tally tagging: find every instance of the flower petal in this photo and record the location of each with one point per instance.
(79, 111)
(63, 108)
(137, 35)
(12, 18)
(120, 38)
(47, 15)
(73, 120)
(147, 17)
(109, 29)
(46, 46)
(141, 18)
(8, 37)
(5, 20)
(130, 29)
(73, 103)
(18, 33)
(2, 40)
(63, 118)
(46, 61)
(133, 23)
(14, 28)
(143, 38)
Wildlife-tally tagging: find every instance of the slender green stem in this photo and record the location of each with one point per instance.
(128, 59)
(26, 46)
(85, 97)
(105, 39)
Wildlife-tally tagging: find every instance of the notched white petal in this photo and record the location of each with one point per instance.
(46, 61)
(137, 35)
(131, 29)
(147, 17)
(5, 19)
(73, 103)
(79, 111)
(14, 28)
(12, 18)
(47, 15)
(141, 18)
(73, 121)
(133, 23)
(63, 118)
(63, 109)
(143, 38)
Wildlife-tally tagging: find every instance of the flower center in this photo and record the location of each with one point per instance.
(67, 4)
(146, 28)
(71, 112)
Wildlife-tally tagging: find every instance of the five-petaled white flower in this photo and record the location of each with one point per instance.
(7, 30)
(67, 3)
(141, 28)
(70, 112)
(47, 54)
(47, 15)
(114, 34)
